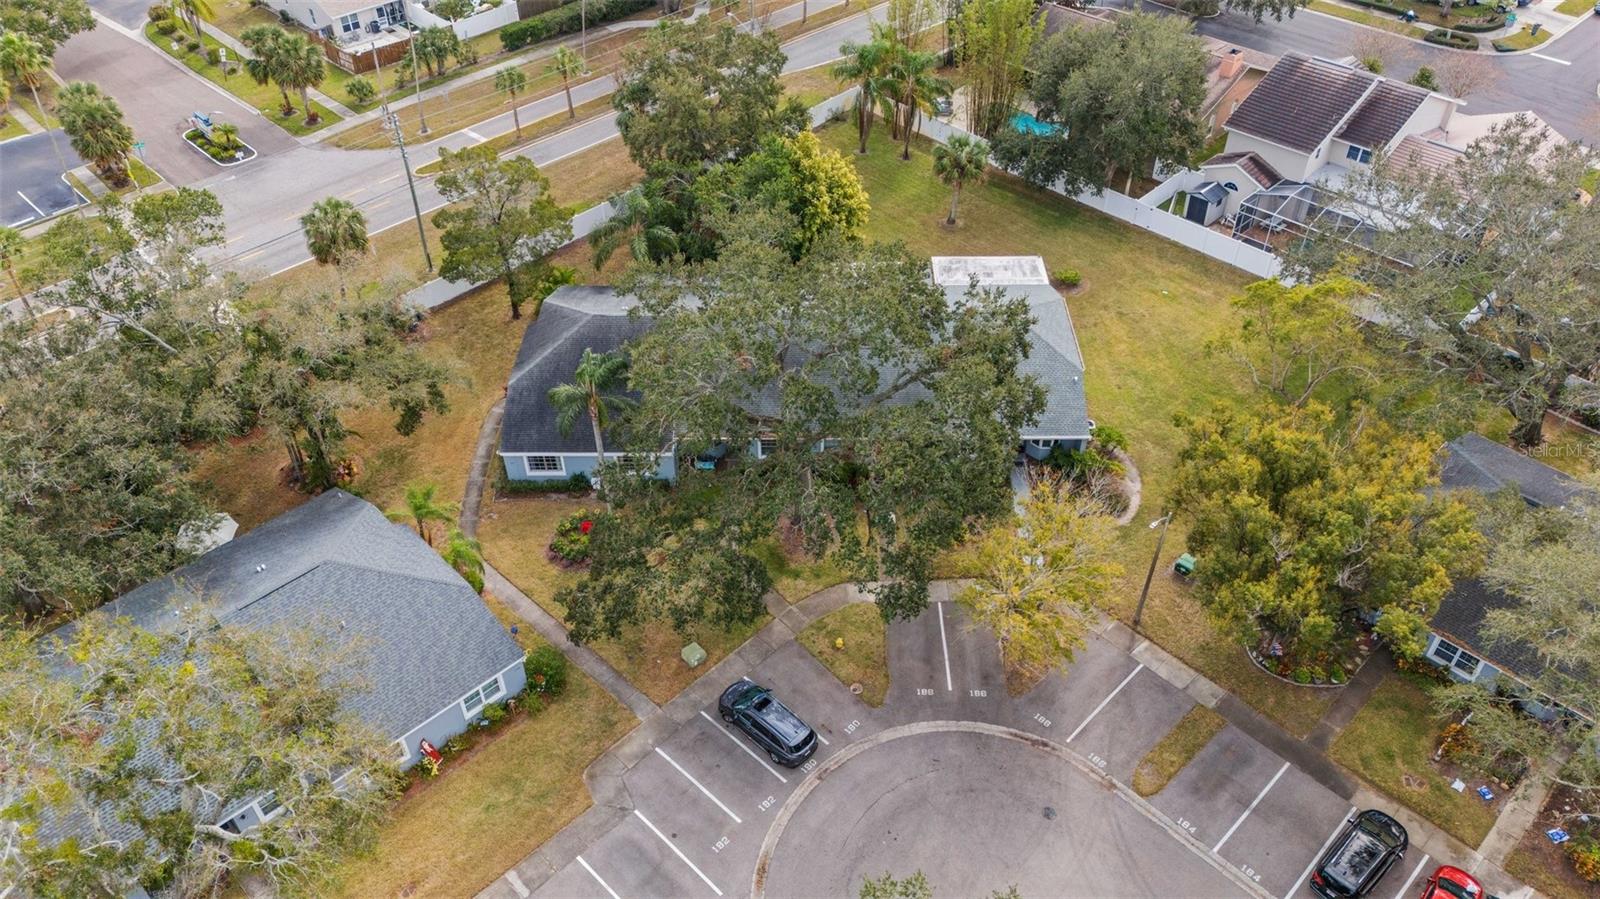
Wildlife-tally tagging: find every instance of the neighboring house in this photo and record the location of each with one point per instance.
(355, 35)
(572, 319)
(1457, 644)
(428, 653)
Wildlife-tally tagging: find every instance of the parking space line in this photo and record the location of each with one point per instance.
(1414, 872)
(598, 879)
(517, 886)
(678, 852)
(1104, 702)
(948, 684)
(698, 785)
(824, 740)
(1565, 62)
(31, 203)
(740, 743)
(1315, 858)
(1252, 807)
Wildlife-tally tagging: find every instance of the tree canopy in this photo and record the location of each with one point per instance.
(118, 775)
(815, 185)
(50, 22)
(699, 93)
(1501, 262)
(1291, 340)
(1122, 97)
(1297, 523)
(994, 40)
(889, 413)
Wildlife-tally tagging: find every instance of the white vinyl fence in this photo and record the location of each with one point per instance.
(478, 23)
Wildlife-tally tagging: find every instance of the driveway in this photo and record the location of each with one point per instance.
(156, 95)
(31, 186)
(953, 776)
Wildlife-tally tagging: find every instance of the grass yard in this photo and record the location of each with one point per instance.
(1522, 40)
(812, 85)
(42, 112)
(12, 127)
(515, 532)
(1576, 7)
(1143, 314)
(264, 97)
(864, 659)
(1390, 744)
(596, 174)
(1367, 17)
(794, 578)
(1181, 744)
(487, 809)
(532, 130)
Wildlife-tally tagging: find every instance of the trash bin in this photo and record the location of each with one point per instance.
(1184, 566)
(693, 655)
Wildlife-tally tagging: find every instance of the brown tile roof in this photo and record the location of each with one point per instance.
(1383, 114)
(1301, 101)
(1420, 154)
(1253, 165)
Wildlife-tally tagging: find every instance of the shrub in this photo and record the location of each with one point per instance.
(193, 46)
(571, 541)
(1585, 854)
(214, 56)
(494, 714)
(577, 483)
(166, 27)
(159, 12)
(1302, 675)
(1336, 675)
(1447, 38)
(1380, 6)
(566, 19)
(1425, 79)
(1456, 742)
(1478, 26)
(361, 90)
(1109, 438)
(546, 668)
(1068, 277)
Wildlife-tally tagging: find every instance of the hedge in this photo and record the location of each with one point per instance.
(1496, 21)
(1446, 38)
(578, 483)
(566, 19)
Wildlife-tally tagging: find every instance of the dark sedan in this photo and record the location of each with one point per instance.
(1369, 846)
(754, 710)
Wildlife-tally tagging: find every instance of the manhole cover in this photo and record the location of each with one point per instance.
(856, 688)
(1049, 813)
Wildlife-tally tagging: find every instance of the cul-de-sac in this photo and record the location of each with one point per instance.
(799, 449)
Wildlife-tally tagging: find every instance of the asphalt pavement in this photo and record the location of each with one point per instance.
(31, 186)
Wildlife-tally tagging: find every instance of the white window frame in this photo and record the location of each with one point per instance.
(261, 813)
(484, 697)
(527, 464)
(349, 23)
(389, 13)
(761, 446)
(405, 750)
(1359, 154)
(1450, 655)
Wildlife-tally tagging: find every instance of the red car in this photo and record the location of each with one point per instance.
(1452, 883)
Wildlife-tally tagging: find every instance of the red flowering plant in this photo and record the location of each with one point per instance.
(570, 544)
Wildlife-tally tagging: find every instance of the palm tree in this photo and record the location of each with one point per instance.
(193, 10)
(226, 135)
(963, 160)
(266, 62)
(23, 59)
(303, 68)
(865, 64)
(512, 80)
(335, 231)
(568, 65)
(914, 86)
(633, 224)
(590, 391)
(424, 507)
(465, 555)
(11, 244)
(94, 123)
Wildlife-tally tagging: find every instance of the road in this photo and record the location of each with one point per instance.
(1559, 83)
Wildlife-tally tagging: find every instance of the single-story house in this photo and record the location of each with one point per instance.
(1456, 642)
(429, 654)
(355, 35)
(572, 319)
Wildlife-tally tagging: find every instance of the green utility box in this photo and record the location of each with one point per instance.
(693, 655)
(1184, 566)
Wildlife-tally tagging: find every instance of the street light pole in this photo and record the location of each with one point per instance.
(416, 78)
(1144, 594)
(583, 30)
(393, 121)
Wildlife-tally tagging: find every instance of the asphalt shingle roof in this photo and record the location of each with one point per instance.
(574, 318)
(1253, 165)
(1382, 115)
(1301, 101)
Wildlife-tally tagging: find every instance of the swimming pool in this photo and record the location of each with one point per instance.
(1027, 124)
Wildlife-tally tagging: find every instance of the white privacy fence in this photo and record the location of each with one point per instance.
(478, 23)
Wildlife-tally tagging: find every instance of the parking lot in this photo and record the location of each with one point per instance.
(952, 777)
(31, 186)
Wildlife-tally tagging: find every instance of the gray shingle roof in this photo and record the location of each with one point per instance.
(425, 638)
(573, 318)
(1382, 114)
(1475, 462)
(1301, 101)
(1460, 620)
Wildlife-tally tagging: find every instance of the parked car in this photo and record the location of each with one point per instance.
(943, 107)
(754, 710)
(1367, 848)
(1452, 883)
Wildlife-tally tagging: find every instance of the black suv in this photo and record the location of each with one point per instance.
(1369, 846)
(769, 722)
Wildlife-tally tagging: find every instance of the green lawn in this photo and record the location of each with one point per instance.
(490, 807)
(864, 656)
(11, 127)
(1390, 744)
(264, 97)
(1522, 40)
(1181, 744)
(1576, 7)
(1143, 314)
(1367, 17)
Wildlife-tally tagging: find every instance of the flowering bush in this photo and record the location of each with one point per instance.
(1585, 854)
(571, 541)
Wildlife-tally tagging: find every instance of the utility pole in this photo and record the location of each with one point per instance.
(392, 121)
(1144, 594)
(583, 30)
(416, 78)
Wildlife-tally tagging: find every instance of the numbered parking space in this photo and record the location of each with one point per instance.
(1213, 792)
(1277, 842)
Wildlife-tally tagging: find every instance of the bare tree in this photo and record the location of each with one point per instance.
(1379, 50)
(1461, 74)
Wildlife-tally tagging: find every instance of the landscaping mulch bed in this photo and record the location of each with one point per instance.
(1544, 865)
